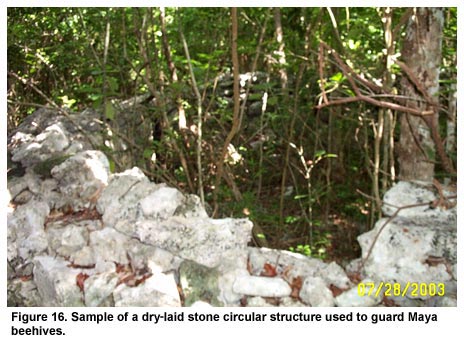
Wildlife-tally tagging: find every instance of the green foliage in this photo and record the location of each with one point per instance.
(302, 249)
(315, 252)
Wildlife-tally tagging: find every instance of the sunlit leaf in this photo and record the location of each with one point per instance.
(338, 77)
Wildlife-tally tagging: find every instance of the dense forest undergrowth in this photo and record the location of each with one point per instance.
(298, 118)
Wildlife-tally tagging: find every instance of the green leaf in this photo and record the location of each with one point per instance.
(319, 153)
(67, 102)
(109, 110)
(338, 77)
(112, 165)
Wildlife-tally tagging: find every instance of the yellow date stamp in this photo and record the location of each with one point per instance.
(411, 289)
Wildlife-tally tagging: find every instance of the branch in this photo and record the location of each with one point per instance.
(348, 71)
(426, 115)
(382, 104)
(415, 81)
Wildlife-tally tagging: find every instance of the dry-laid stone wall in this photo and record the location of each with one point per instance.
(79, 235)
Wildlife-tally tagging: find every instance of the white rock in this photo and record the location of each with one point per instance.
(294, 264)
(160, 260)
(202, 240)
(82, 177)
(314, 292)
(26, 234)
(162, 203)
(402, 249)
(158, 290)
(56, 282)
(15, 186)
(261, 286)
(191, 208)
(109, 245)
(409, 193)
(232, 266)
(119, 201)
(83, 257)
(335, 275)
(31, 149)
(98, 287)
(68, 239)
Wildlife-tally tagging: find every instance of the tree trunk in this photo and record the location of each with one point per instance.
(422, 54)
(236, 118)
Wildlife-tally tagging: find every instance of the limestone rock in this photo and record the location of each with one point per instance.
(81, 178)
(161, 203)
(109, 245)
(26, 235)
(333, 274)
(295, 265)
(158, 290)
(314, 292)
(67, 240)
(99, 287)
(56, 282)
(403, 248)
(233, 265)
(262, 286)
(408, 193)
(23, 293)
(119, 201)
(199, 283)
(31, 149)
(203, 240)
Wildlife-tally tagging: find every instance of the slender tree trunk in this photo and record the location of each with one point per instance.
(284, 83)
(200, 119)
(172, 68)
(422, 54)
(236, 117)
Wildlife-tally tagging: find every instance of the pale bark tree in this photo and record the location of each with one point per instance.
(422, 54)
